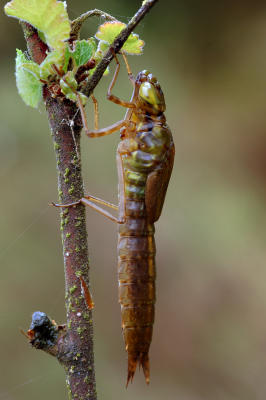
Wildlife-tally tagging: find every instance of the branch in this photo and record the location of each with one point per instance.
(44, 334)
(77, 23)
(73, 346)
(78, 360)
(116, 46)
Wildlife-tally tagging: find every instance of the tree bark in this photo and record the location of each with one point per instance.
(76, 353)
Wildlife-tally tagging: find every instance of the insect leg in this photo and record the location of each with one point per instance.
(97, 200)
(86, 202)
(125, 123)
(100, 210)
(113, 98)
(110, 129)
(101, 132)
(129, 72)
(89, 197)
(96, 113)
(75, 203)
(82, 113)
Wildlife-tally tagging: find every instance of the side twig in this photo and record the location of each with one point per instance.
(77, 23)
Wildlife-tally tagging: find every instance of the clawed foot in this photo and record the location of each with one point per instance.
(75, 203)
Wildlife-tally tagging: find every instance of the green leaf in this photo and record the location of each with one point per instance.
(84, 50)
(133, 45)
(98, 56)
(70, 81)
(41, 36)
(101, 50)
(108, 31)
(46, 67)
(83, 98)
(67, 58)
(27, 79)
(70, 95)
(69, 85)
(106, 72)
(32, 68)
(48, 16)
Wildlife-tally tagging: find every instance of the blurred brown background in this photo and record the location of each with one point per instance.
(210, 332)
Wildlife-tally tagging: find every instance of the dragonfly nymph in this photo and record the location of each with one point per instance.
(145, 157)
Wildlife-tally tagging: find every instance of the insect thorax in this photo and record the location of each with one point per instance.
(145, 151)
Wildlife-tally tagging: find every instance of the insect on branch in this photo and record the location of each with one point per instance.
(68, 342)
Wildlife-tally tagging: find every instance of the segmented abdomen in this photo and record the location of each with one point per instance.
(136, 274)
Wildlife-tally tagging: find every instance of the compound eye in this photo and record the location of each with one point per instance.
(147, 93)
(153, 96)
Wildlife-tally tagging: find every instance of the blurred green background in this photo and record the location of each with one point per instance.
(210, 332)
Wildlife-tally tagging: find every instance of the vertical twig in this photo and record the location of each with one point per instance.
(77, 357)
(75, 350)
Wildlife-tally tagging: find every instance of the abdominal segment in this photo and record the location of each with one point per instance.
(136, 274)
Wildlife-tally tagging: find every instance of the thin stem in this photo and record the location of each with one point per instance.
(77, 23)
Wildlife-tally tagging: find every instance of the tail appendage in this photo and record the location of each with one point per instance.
(133, 360)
